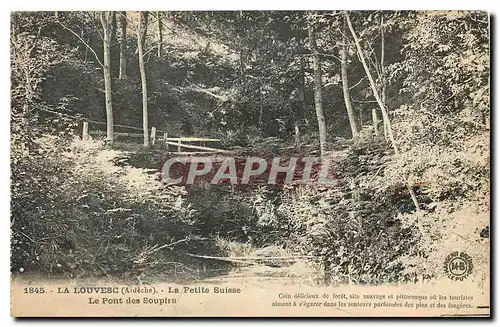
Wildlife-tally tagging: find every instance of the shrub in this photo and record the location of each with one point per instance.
(76, 213)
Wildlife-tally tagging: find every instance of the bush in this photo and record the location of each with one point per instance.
(75, 213)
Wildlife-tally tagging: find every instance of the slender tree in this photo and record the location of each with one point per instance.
(123, 45)
(375, 121)
(318, 96)
(114, 27)
(141, 33)
(106, 22)
(382, 76)
(345, 86)
(160, 32)
(144, 19)
(302, 106)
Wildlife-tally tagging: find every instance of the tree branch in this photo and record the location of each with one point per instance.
(361, 80)
(81, 40)
(222, 98)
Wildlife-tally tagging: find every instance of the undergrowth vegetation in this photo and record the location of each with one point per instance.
(82, 215)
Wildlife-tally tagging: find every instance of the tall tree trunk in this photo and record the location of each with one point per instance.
(345, 89)
(113, 28)
(382, 71)
(144, 21)
(301, 107)
(113, 45)
(302, 87)
(160, 33)
(123, 45)
(372, 83)
(106, 25)
(140, 43)
(382, 108)
(318, 92)
(375, 121)
(302, 93)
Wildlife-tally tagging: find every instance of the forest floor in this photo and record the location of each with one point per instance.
(298, 273)
(254, 272)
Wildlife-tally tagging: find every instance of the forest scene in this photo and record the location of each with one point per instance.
(398, 101)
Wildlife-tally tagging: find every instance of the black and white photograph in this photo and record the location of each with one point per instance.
(261, 163)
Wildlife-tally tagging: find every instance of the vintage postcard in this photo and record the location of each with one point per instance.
(250, 163)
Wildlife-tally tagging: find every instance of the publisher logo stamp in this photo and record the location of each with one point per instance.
(458, 265)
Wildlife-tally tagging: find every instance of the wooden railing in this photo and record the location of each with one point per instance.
(178, 143)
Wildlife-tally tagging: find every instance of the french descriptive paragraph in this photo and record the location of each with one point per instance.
(374, 301)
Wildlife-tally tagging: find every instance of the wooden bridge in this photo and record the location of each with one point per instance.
(193, 145)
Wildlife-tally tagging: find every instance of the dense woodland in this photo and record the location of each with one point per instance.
(399, 101)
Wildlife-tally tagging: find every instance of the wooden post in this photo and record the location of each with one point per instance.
(386, 135)
(165, 139)
(153, 135)
(297, 136)
(85, 132)
(375, 121)
(179, 147)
